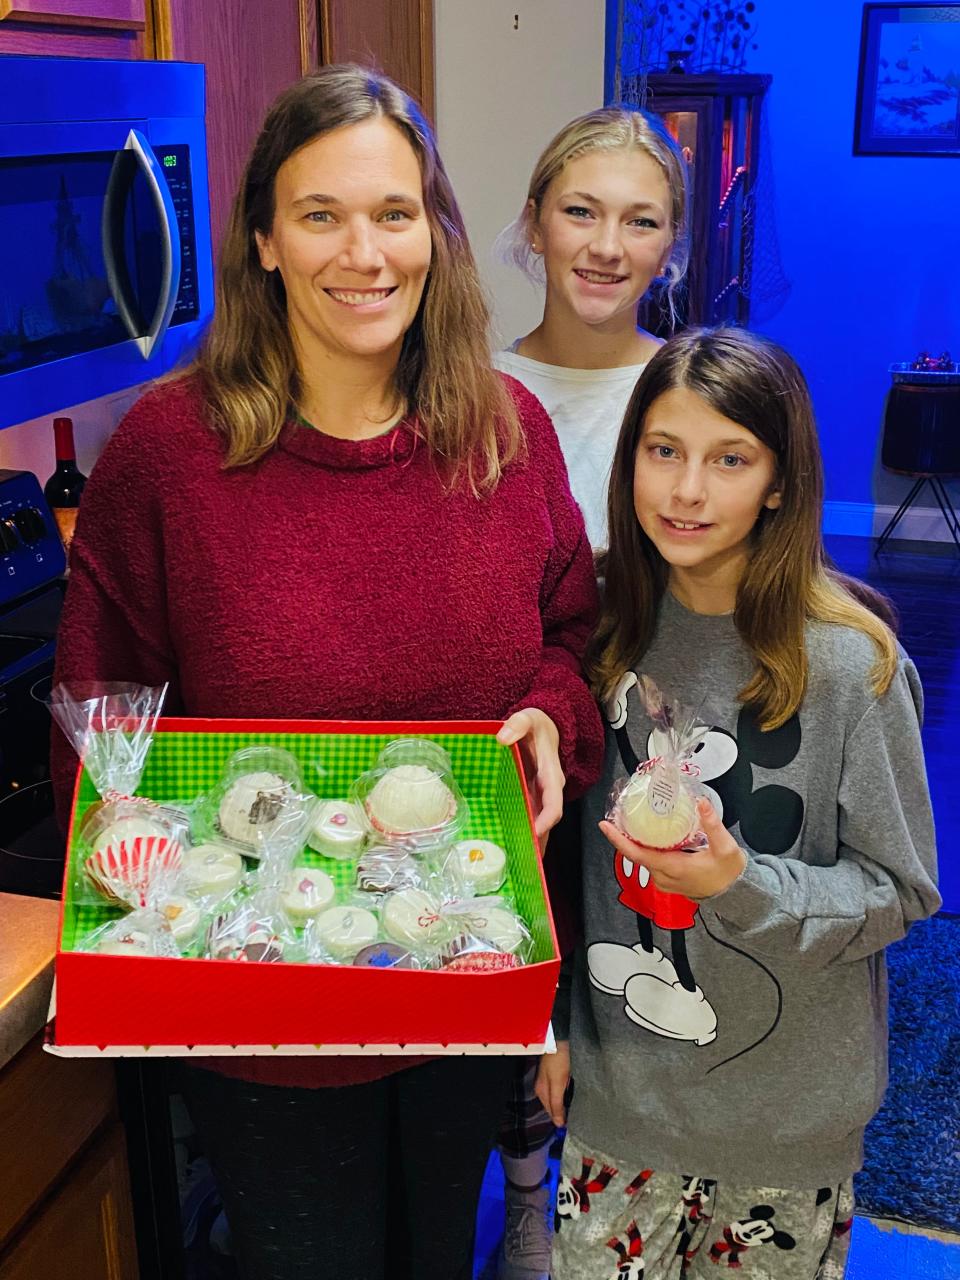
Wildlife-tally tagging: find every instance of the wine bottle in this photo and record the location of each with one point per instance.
(62, 491)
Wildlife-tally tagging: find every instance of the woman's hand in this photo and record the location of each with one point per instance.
(698, 874)
(540, 747)
(553, 1076)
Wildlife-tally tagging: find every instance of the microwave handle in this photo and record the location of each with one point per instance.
(138, 153)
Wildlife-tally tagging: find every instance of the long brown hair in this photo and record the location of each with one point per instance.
(789, 579)
(247, 362)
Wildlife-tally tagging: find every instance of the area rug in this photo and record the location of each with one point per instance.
(912, 1166)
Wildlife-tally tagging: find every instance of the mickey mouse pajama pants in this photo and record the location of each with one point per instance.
(626, 1223)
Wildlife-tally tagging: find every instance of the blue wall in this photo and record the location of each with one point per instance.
(869, 244)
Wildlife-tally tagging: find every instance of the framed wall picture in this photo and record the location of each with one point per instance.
(908, 87)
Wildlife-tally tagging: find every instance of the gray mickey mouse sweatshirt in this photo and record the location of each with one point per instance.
(744, 1037)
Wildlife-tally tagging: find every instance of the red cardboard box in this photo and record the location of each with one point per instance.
(151, 1005)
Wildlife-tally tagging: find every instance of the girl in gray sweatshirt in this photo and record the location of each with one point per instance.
(725, 1021)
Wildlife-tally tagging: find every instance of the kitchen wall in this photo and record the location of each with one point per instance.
(509, 73)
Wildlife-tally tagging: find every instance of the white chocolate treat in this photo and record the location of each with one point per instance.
(479, 865)
(338, 829)
(252, 806)
(410, 798)
(132, 943)
(183, 916)
(659, 822)
(498, 926)
(413, 916)
(122, 835)
(305, 893)
(342, 931)
(211, 871)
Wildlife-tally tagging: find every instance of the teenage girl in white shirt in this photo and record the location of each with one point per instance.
(604, 222)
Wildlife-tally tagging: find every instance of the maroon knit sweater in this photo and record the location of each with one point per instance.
(333, 579)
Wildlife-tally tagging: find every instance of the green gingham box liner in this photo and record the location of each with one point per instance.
(182, 765)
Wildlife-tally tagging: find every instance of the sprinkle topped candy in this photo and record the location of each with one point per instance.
(384, 955)
(342, 931)
(306, 893)
(211, 871)
(183, 918)
(338, 829)
(478, 865)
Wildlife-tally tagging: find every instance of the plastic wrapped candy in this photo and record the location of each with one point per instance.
(657, 805)
(259, 802)
(474, 867)
(338, 830)
(144, 932)
(385, 868)
(411, 795)
(487, 926)
(111, 727)
(133, 845)
(340, 933)
(253, 930)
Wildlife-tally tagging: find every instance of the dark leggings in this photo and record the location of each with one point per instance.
(379, 1181)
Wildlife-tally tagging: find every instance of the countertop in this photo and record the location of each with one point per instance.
(28, 942)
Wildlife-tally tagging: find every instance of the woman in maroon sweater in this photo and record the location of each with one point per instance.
(341, 511)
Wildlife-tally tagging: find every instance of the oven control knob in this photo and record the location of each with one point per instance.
(30, 523)
(8, 537)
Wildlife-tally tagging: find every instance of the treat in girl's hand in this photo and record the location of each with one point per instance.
(338, 829)
(305, 892)
(657, 805)
(341, 932)
(211, 871)
(475, 866)
(411, 795)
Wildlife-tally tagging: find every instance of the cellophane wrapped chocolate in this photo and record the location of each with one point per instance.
(657, 805)
(411, 797)
(132, 846)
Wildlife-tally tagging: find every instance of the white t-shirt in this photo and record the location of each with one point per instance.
(587, 408)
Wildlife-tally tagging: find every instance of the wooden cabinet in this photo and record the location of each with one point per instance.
(65, 1206)
(395, 36)
(86, 1230)
(82, 28)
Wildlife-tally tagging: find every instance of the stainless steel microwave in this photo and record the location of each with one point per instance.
(106, 277)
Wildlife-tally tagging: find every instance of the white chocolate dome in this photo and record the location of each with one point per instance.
(410, 798)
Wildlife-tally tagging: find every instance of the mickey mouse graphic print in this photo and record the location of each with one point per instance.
(618, 1224)
(741, 1039)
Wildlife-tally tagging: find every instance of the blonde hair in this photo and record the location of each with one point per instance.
(789, 579)
(608, 129)
(464, 414)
